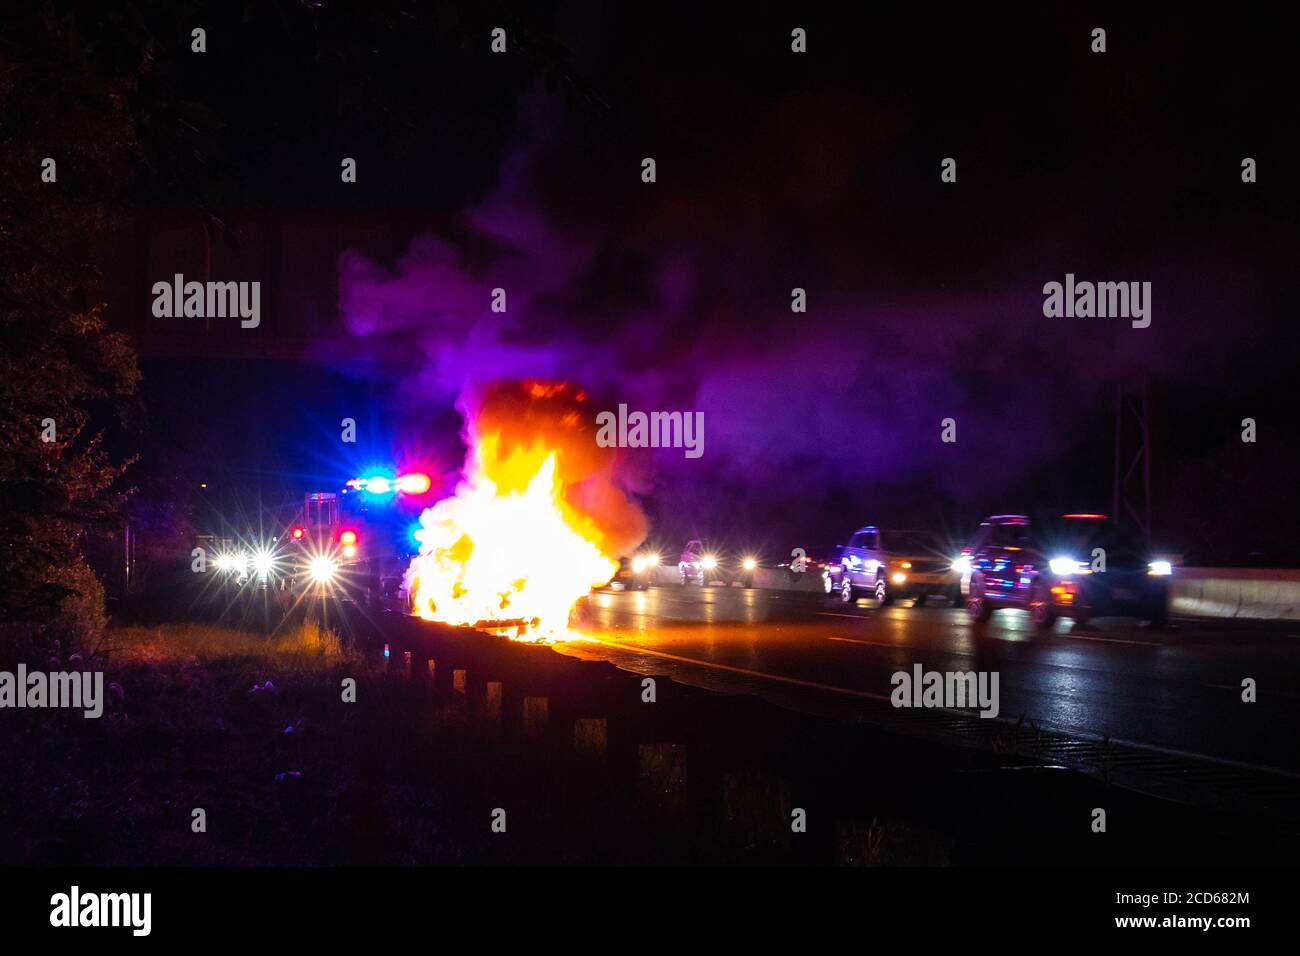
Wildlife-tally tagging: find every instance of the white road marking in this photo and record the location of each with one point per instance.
(746, 671)
(1113, 640)
(854, 640)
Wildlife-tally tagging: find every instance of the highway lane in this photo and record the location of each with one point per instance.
(1178, 689)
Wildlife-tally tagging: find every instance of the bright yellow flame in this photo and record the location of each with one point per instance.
(505, 554)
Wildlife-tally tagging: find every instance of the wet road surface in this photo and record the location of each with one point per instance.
(1177, 689)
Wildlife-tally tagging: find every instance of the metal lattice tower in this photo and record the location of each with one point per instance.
(1131, 506)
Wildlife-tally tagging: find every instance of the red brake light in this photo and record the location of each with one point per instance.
(348, 537)
(298, 533)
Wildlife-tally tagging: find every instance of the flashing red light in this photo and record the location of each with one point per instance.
(298, 532)
(415, 483)
(1097, 517)
(348, 537)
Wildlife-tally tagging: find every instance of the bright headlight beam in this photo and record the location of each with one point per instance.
(322, 569)
(263, 563)
(1064, 566)
(1160, 568)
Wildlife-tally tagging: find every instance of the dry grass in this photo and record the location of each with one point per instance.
(308, 647)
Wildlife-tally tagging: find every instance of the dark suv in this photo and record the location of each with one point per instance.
(1077, 566)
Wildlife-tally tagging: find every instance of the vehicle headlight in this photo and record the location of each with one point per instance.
(263, 563)
(652, 560)
(1065, 566)
(1160, 568)
(899, 577)
(709, 562)
(638, 564)
(961, 565)
(322, 569)
(749, 564)
(223, 562)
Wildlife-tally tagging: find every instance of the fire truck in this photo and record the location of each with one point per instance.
(352, 545)
(319, 548)
(345, 545)
(344, 552)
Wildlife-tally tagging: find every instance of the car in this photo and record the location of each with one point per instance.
(697, 565)
(920, 566)
(961, 565)
(634, 573)
(1077, 565)
(891, 565)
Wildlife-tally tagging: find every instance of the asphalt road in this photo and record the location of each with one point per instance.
(1177, 689)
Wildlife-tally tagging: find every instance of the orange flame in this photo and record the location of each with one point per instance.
(533, 525)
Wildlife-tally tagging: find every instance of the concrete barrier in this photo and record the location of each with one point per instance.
(1251, 593)
(1246, 593)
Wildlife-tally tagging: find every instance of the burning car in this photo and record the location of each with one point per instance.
(534, 521)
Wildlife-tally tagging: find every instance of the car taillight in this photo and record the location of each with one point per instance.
(297, 533)
(348, 537)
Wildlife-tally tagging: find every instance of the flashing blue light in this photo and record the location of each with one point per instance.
(378, 485)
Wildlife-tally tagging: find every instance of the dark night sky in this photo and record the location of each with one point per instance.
(774, 171)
